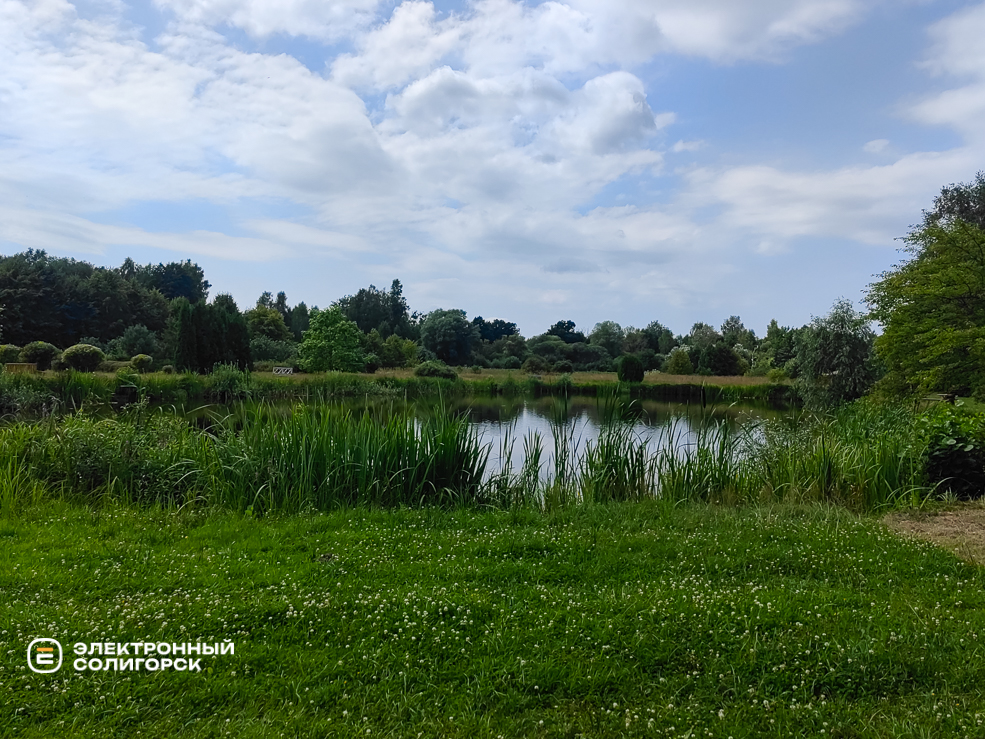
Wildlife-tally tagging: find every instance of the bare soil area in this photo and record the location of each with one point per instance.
(960, 529)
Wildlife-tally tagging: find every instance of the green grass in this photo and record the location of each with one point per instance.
(621, 620)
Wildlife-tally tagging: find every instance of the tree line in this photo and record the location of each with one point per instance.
(931, 307)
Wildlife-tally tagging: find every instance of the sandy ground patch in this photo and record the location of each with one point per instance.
(960, 529)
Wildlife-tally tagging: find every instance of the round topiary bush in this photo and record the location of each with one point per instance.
(9, 353)
(168, 369)
(435, 369)
(629, 368)
(142, 362)
(39, 352)
(83, 357)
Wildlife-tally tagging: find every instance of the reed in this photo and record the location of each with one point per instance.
(322, 456)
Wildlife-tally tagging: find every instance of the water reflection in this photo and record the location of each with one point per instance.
(506, 423)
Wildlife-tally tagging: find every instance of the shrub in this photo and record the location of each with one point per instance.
(371, 364)
(40, 352)
(776, 376)
(564, 366)
(510, 363)
(629, 368)
(476, 369)
(83, 357)
(679, 362)
(954, 450)
(435, 369)
(9, 353)
(142, 362)
(535, 365)
(137, 339)
(228, 382)
(263, 348)
(168, 369)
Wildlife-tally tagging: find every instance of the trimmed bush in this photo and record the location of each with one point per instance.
(9, 353)
(168, 369)
(142, 362)
(39, 352)
(83, 357)
(435, 369)
(629, 368)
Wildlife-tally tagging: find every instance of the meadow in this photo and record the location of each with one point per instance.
(379, 578)
(617, 620)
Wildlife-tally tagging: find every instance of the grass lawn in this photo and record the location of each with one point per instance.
(622, 620)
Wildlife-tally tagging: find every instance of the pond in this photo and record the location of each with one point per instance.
(510, 425)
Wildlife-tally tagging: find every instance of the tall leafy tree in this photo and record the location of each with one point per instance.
(387, 312)
(495, 329)
(332, 342)
(608, 335)
(565, 330)
(836, 357)
(449, 335)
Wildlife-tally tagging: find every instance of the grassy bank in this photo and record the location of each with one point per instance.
(40, 394)
(602, 621)
(291, 459)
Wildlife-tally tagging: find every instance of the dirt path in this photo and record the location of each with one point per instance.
(960, 529)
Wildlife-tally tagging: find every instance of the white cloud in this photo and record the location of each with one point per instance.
(324, 19)
(957, 52)
(876, 146)
(40, 229)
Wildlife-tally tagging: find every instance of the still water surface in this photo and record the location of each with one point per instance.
(506, 423)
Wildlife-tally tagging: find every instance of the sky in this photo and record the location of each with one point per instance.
(588, 160)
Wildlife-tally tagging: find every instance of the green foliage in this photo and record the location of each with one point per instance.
(59, 300)
(491, 331)
(83, 357)
(137, 339)
(40, 352)
(142, 362)
(168, 369)
(777, 375)
(332, 343)
(629, 368)
(932, 308)
(535, 365)
(679, 362)
(721, 360)
(210, 334)
(449, 335)
(435, 369)
(9, 353)
(229, 382)
(173, 280)
(836, 357)
(267, 322)
(386, 312)
(703, 336)
(734, 332)
(265, 349)
(565, 330)
(953, 443)
(610, 336)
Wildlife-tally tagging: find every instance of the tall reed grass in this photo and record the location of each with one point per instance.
(324, 456)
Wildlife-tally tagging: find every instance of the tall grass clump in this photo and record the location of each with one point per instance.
(863, 455)
(327, 457)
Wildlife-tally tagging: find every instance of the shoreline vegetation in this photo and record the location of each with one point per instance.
(276, 458)
(38, 393)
